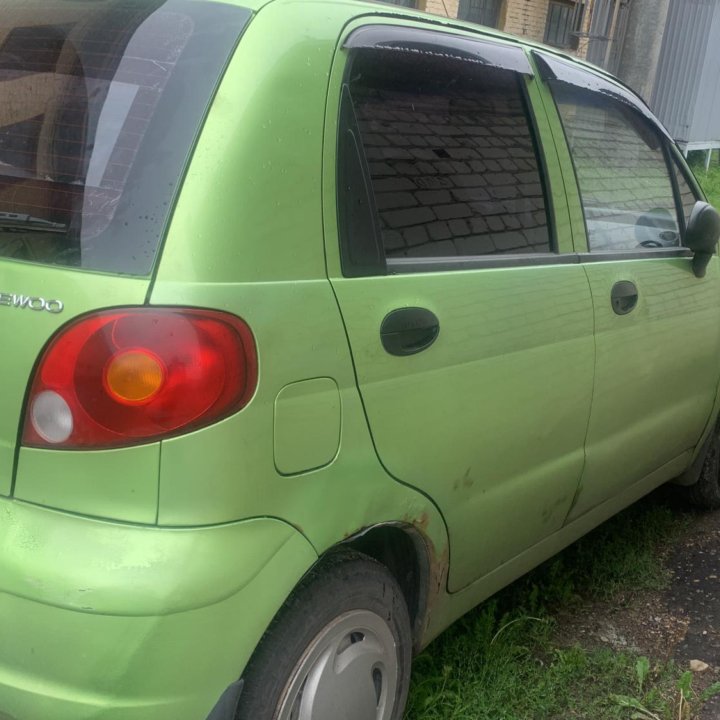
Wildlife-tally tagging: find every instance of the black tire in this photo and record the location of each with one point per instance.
(705, 493)
(340, 588)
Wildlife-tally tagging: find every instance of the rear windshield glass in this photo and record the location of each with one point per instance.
(100, 103)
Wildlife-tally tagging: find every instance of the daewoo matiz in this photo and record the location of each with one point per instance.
(322, 321)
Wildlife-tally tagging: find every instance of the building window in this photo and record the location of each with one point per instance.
(482, 12)
(563, 20)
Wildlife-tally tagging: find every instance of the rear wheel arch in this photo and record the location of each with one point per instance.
(408, 556)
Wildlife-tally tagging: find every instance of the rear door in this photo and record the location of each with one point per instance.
(469, 319)
(96, 127)
(657, 326)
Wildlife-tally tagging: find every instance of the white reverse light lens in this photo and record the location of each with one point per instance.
(51, 417)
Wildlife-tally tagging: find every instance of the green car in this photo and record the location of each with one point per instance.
(323, 321)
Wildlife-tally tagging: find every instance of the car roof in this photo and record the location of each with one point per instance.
(383, 9)
(447, 23)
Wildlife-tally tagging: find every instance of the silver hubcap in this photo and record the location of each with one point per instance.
(349, 672)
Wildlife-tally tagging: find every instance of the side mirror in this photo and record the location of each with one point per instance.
(703, 232)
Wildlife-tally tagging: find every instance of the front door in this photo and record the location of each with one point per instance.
(657, 326)
(470, 332)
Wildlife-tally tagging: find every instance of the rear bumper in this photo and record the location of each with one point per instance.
(100, 621)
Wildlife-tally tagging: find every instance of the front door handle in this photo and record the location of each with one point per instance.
(624, 297)
(409, 330)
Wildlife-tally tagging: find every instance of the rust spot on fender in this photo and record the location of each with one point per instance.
(437, 582)
(423, 521)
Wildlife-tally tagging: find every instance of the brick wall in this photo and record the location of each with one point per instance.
(447, 8)
(525, 18)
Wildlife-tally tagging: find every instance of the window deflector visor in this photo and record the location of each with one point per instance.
(555, 70)
(431, 42)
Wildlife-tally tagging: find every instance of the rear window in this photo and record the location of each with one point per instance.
(100, 104)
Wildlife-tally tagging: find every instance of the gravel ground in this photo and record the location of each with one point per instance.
(681, 622)
(694, 597)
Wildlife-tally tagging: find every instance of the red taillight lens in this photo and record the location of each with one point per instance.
(123, 377)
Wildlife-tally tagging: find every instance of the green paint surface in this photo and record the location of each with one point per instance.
(307, 425)
(537, 413)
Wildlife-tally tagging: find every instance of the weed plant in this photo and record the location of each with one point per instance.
(709, 180)
(502, 661)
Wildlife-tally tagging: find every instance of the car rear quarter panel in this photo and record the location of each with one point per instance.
(247, 237)
(124, 622)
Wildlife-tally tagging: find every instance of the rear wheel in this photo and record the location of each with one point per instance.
(339, 649)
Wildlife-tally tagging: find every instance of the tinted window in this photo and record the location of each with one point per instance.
(450, 156)
(619, 159)
(96, 123)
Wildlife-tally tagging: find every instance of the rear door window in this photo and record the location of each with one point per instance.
(450, 163)
(100, 104)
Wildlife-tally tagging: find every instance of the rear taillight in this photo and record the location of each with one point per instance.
(122, 377)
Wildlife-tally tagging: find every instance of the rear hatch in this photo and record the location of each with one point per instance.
(100, 106)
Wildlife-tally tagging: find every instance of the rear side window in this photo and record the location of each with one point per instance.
(620, 162)
(449, 154)
(99, 107)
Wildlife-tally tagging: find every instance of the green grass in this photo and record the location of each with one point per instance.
(502, 661)
(710, 181)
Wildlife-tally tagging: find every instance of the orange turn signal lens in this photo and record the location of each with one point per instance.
(134, 377)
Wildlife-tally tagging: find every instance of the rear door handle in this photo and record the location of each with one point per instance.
(624, 297)
(409, 330)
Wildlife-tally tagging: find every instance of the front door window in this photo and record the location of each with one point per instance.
(627, 192)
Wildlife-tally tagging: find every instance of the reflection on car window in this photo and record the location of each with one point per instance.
(627, 193)
(96, 122)
(450, 155)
